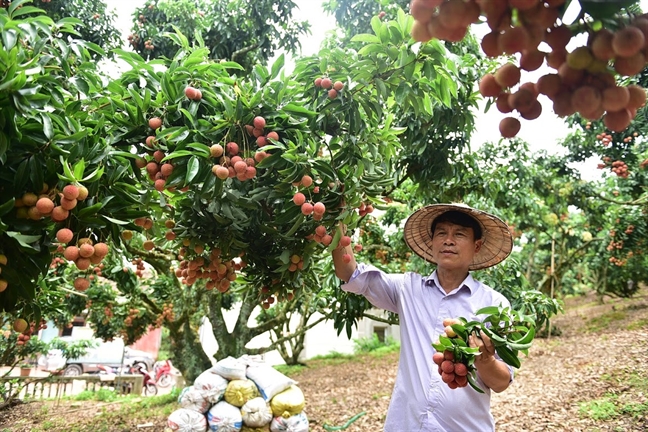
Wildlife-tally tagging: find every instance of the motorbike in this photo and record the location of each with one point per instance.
(149, 387)
(163, 372)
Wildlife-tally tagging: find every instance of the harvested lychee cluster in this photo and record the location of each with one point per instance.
(584, 81)
(454, 366)
(455, 374)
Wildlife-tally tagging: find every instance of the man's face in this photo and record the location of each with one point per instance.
(454, 246)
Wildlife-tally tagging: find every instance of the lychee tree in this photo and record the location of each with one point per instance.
(42, 84)
(354, 16)
(149, 148)
(262, 230)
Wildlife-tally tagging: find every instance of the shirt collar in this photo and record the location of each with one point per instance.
(469, 282)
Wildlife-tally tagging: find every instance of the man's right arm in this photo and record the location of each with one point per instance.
(344, 270)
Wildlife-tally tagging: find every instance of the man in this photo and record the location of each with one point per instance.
(457, 239)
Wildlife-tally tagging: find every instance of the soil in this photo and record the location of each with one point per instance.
(599, 361)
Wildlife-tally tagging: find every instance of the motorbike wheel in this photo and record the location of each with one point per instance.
(150, 389)
(165, 380)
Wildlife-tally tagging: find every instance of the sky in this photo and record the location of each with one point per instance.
(542, 133)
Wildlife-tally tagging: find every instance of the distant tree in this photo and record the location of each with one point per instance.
(354, 16)
(96, 22)
(232, 30)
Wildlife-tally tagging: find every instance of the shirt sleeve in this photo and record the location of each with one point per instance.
(380, 288)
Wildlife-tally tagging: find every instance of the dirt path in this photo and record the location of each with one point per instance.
(601, 354)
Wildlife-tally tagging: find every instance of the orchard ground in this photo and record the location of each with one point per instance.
(592, 377)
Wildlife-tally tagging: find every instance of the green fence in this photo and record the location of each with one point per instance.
(55, 386)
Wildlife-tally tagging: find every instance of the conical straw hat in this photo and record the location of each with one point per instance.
(497, 240)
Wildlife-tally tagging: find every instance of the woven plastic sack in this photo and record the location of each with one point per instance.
(238, 392)
(296, 423)
(224, 417)
(265, 428)
(256, 413)
(268, 379)
(212, 385)
(288, 403)
(230, 368)
(186, 420)
(194, 399)
(250, 360)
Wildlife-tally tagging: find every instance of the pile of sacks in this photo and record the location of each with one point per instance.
(240, 395)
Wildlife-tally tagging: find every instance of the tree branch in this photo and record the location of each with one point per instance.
(379, 319)
(243, 51)
(252, 351)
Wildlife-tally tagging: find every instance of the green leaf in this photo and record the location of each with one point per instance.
(193, 166)
(488, 310)
(200, 147)
(6, 207)
(298, 109)
(69, 175)
(277, 65)
(93, 209)
(4, 144)
(508, 356)
(473, 383)
(115, 221)
(25, 240)
(598, 9)
(79, 168)
(365, 37)
(373, 48)
(48, 130)
(94, 175)
(9, 38)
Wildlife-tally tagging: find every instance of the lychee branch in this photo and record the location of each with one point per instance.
(243, 51)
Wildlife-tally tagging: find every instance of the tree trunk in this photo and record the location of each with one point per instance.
(230, 344)
(530, 265)
(187, 353)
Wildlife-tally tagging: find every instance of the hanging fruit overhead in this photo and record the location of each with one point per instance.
(592, 79)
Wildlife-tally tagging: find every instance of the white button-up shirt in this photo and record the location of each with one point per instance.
(420, 400)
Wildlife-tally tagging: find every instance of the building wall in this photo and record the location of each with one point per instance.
(150, 342)
(322, 339)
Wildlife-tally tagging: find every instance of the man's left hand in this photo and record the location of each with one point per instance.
(486, 348)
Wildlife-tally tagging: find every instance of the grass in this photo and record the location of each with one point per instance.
(369, 346)
(603, 321)
(135, 408)
(638, 324)
(610, 406)
(289, 370)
